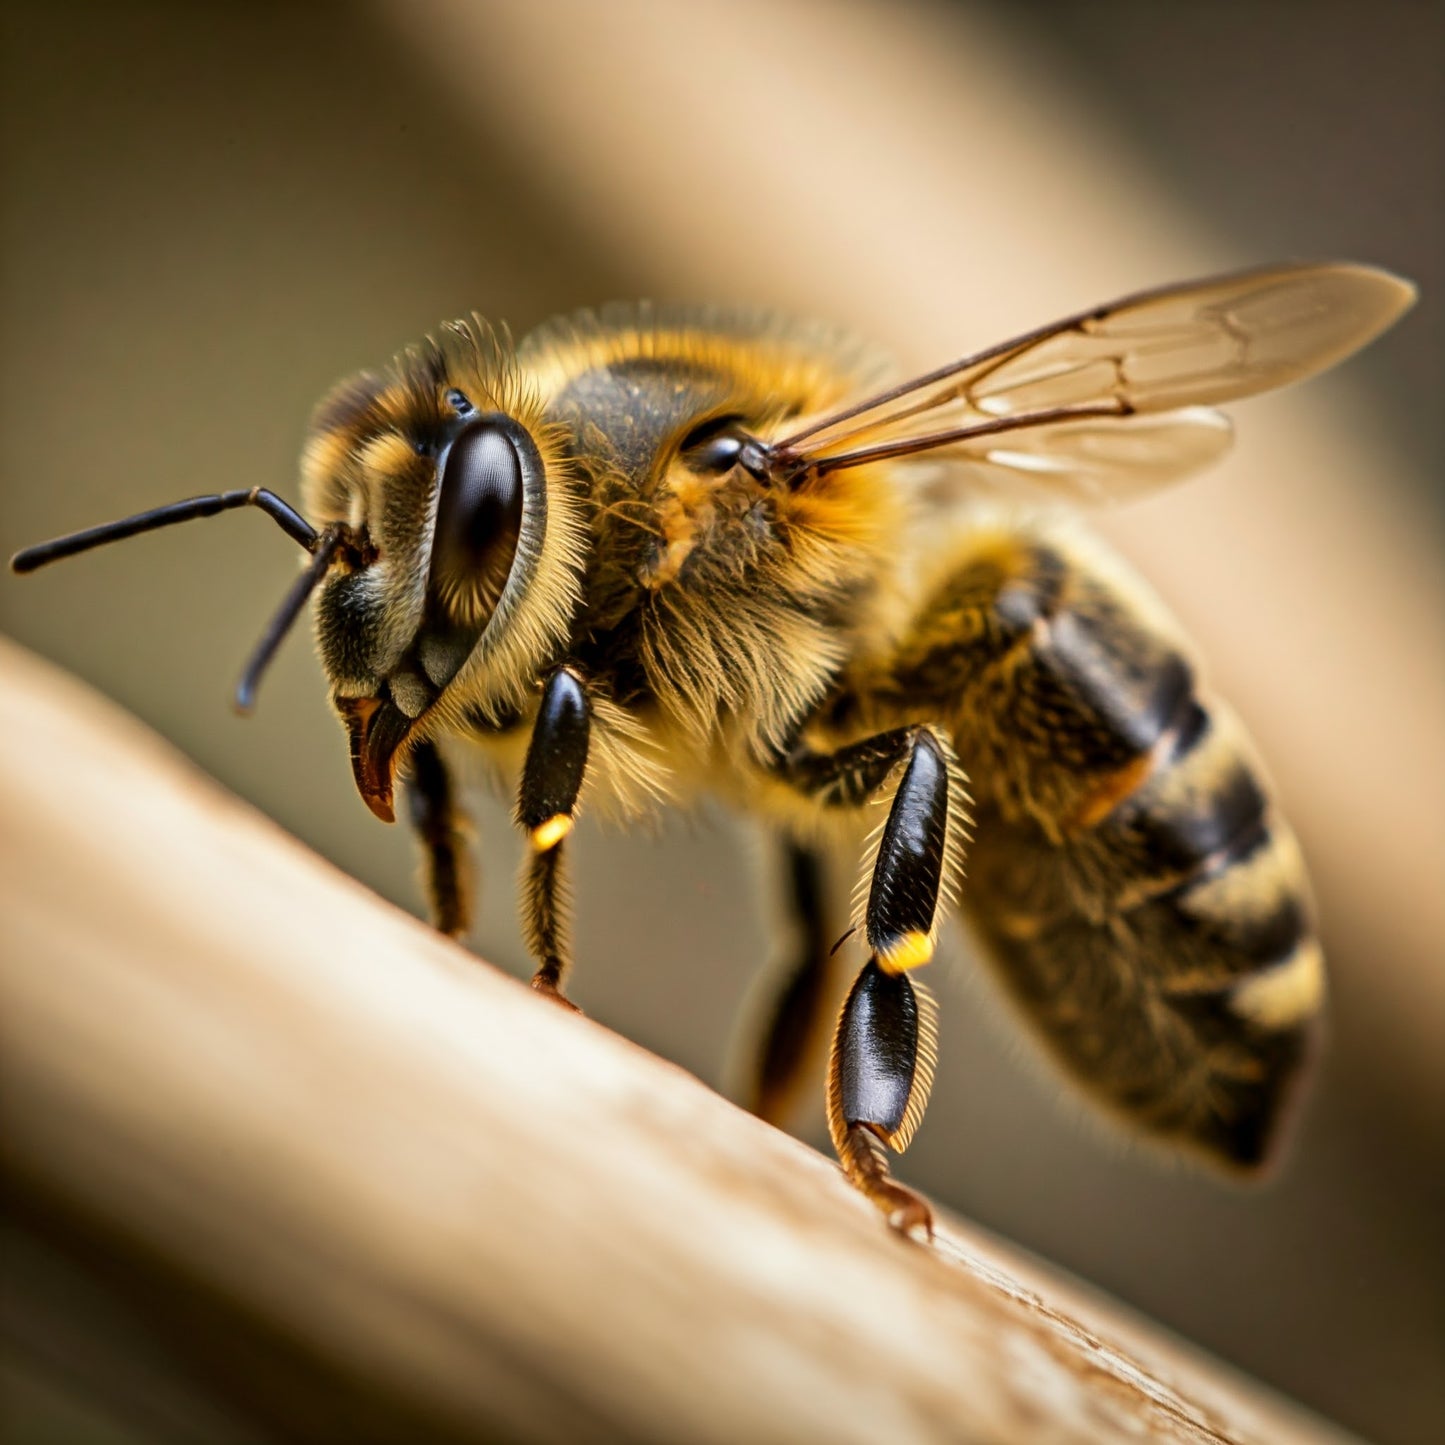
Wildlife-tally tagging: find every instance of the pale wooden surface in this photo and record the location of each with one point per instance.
(336, 1179)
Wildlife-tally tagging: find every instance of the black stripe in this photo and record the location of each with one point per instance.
(1023, 600)
(1134, 702)
(1258, 941)
(1166, 702)
(1191, 725)
(1215, 830)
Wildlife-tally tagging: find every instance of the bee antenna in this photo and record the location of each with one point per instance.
(326, 546)
(285, 516)
(323, 547)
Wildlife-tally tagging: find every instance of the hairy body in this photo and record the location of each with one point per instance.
(657, 552)
(1138, 897)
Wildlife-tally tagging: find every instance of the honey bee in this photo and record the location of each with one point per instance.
(657, 552)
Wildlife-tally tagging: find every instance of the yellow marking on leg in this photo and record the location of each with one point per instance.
(1286, 994)
(547, 835)
(912, 950)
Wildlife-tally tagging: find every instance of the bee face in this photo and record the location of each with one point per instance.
(463, 557)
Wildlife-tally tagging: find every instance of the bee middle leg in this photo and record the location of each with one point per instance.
(546, 801)
(881, 1067)
(794, 1017)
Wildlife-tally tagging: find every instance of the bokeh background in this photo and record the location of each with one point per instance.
(211, 212)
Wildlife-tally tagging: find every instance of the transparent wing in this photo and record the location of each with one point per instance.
(1096, 461)
(1084, 400)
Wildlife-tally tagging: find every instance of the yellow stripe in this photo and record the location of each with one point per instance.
(1286, 994)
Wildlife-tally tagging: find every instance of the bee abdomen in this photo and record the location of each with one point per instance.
(1146, 905)
(1167, 951)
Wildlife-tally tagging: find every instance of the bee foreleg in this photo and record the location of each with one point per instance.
(551, 780)
(443, 832)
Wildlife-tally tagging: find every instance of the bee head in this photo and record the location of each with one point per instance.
(464, 546)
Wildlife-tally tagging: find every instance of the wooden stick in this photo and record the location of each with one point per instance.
(338, 1180)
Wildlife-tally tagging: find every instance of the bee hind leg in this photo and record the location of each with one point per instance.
(547, 799)
(879, 1076)
(881, 1067)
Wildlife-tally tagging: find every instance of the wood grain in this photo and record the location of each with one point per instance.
(283, 1164)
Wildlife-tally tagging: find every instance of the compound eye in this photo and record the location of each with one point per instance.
(479, 511)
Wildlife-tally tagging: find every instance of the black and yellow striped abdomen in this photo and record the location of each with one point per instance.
(1145, 904)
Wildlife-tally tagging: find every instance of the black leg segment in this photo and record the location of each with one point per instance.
(850, 776)
(879, 1079)
(544, 919)
(909, 871)
(878, 1053)
(885, 1046)
(442, 831)
(556, 761)
(794, 1019)
(551, 780)
(912, 853)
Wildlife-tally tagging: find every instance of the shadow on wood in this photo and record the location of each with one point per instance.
(283, 1164)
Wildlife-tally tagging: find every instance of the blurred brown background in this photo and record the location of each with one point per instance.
(212, 212)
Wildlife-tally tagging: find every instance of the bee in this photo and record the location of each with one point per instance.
(653, 553)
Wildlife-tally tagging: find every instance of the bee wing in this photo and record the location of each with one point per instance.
(1175, 350)
(1098, 460)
